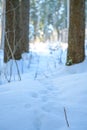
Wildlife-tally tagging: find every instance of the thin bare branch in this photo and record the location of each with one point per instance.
(65, 113)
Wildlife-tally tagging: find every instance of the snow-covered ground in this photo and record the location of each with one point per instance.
(49, 96)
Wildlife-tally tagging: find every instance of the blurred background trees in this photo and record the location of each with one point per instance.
(47, 18)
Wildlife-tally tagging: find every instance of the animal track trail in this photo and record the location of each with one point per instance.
(45, 94)
(48, 85)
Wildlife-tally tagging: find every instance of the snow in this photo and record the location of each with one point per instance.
(48, 95)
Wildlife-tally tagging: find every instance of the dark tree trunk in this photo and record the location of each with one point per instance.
(24, 24)
(11, 48)
(17, 29)
(76, 52)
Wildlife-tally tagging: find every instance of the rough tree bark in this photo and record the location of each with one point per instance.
(76, 52)
(24, 24)
(17, 29)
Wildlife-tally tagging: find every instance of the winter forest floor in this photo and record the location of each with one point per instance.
(49, 96)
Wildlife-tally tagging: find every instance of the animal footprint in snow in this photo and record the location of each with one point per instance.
(34, 95)
(43, 92)
(44, 98)
(50, 88)
(27, 106)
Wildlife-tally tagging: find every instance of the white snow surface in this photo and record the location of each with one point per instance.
(49, 96)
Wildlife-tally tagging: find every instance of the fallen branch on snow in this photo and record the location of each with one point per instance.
(66, 117)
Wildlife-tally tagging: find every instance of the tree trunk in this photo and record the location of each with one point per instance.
(17, 29)
(24, 25)
(76, 52)
(11, 48)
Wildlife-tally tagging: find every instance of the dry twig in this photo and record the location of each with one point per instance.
(66, 117)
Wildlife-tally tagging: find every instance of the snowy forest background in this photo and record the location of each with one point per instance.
(49, 20)
(38, 90)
